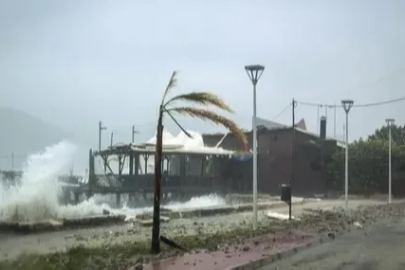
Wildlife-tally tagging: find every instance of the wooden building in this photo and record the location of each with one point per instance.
(188, 169)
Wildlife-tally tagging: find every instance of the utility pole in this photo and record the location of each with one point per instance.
(317, 120)
(112, 139)
(294, 103)
(12, 161)
(100, 129)
(334, 127)
(133, 133)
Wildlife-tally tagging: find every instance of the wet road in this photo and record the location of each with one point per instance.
(379, 247)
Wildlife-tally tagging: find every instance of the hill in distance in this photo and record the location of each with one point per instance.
(23, 134)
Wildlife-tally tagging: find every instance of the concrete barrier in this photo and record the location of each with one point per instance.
(143, 220)
(28, 227)
(6, 226)
(93, 221)
(54, 225)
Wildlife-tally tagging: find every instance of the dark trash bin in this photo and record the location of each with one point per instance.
(286, 193)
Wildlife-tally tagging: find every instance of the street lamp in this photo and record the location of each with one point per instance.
(254, 72)
(347, 105)
(100, 129)
(389, 122)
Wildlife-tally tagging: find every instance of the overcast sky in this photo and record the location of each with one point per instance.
(76, 62)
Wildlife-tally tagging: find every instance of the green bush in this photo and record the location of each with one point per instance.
(368, 167)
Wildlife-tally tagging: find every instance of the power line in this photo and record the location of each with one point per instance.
(380, 103)
(282, 111)
(355, 105)
(316, 104)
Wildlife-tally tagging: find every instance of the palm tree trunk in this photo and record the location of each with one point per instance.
(157, 193)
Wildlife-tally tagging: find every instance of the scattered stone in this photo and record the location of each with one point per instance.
(69, 236)
(131, 231)
(79, 237)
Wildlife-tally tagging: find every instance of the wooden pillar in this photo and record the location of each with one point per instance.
(119, 164)
(146, 157)
(118, 199)
(168, 164)
(77, 196)
(136, 164)
(105, 157)
(92, 176)
(202, 165)
(131, 164)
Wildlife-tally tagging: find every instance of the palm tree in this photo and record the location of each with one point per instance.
(166, 107)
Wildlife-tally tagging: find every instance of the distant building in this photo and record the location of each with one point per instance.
(275, 143)
(270, 125)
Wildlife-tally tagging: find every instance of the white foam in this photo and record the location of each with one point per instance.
(211, 200)
(37, 196)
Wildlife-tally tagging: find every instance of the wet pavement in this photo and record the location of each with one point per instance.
(379, 247)
(233, 255)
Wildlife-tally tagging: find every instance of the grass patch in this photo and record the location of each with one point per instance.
(129, 253)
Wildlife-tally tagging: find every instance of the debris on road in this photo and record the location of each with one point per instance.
(358, 225)
(279, 216)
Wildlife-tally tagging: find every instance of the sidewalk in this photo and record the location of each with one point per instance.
(249, 250)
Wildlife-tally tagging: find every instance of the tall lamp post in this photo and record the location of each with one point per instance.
(389, 122)
(347, 105)
(100, 129)
(254, 72)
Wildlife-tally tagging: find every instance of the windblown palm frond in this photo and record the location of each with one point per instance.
(172, 83)
(204, 114)
(202, 98)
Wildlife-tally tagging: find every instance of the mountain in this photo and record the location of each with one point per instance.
(22, 134)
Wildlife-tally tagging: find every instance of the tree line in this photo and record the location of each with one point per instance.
(368, 164)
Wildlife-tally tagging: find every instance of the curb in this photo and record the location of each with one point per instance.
(285, 254)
